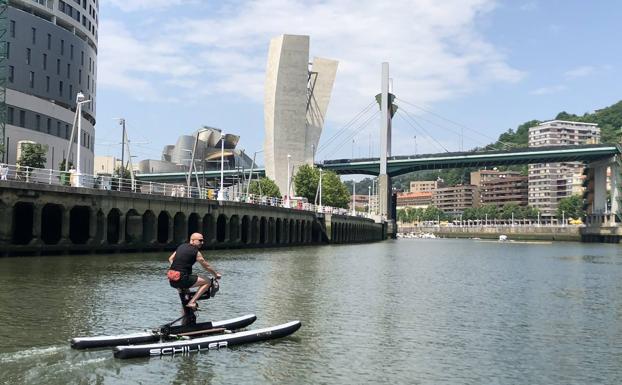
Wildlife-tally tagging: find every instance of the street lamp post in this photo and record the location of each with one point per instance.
(353, 197)
(221, 191)
(321, 189)
(288, 181)
(563, 218)
(80, 100)
(250, 178)
(368, 200)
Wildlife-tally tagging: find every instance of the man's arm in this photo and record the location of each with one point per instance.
(207, 266)
(171, 258)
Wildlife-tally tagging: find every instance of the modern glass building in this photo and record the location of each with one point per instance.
(51, 55)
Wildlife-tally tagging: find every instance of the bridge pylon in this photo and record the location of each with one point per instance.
(384, 180)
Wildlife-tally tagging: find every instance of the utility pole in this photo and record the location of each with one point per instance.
(122, 123)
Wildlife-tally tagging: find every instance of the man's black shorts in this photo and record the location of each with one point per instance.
(185, 281)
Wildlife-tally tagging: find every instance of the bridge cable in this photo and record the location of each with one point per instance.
(401, 111)
(344, 129)
(507, 145)
(360, 129)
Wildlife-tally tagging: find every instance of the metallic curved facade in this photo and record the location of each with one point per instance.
(52, 55)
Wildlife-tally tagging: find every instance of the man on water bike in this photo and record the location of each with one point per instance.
(180, 268)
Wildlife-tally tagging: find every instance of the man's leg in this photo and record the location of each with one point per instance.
(203, 285)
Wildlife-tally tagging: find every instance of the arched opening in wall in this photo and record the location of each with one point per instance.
(255, 230)
(79, 224)
(208, 228)
(22, 223)
(133, 226)
(316, 232)
(51, 223)
(112, 226)
(163, 221)
(180, 228)
(245, 236)
(149, 226)
(279, 229)
(221, 228)
(234, 228)
(262, 230)
(193, 224)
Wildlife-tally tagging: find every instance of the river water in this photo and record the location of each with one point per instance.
(409, 311)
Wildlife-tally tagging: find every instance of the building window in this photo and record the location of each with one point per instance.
(34, 36)
(88, 81)
(11, 73)
(57, 66)
(62, 46)
(45, 61)
(10, 112)
(58, 128)
(82, 57)
(12, 28)
(27, 55)
(60, 88)
(68, 70)
(47, 84)
(67, 132)
(79, 76)
(22, 118)
(71, 52)
(49, 41)
(38, 122)
(8, 50)
(49, 126)
(31, 79)
(71, 91)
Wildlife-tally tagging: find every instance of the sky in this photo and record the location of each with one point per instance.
(463, 71)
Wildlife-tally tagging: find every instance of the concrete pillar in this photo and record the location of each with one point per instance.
(92, 226)
(66, 219)
(600, 189)
(6, 225)
(615, 188)
(121, 228)
(36, 225)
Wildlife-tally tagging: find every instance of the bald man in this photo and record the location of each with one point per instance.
(180, 268)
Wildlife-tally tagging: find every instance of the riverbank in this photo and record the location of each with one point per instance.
(526, 233)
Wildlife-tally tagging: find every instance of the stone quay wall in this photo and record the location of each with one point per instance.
(48, 219)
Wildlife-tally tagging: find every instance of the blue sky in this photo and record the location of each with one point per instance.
(476, 67)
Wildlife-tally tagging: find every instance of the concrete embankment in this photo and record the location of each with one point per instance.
(536, 233)
(45, 219)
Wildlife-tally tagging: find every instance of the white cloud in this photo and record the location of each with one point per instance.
(434, 48)
(549, 90)
(139, 5)
(579, 72)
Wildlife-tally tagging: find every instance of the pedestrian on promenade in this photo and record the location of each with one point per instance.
(4, 171)
(180, 268)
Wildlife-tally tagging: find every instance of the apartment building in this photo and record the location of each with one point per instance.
(420, 199)
(454, 199)
(501, 187)
(551, 182)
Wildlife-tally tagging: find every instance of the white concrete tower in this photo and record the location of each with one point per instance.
(296, 99)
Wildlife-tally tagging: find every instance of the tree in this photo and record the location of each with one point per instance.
(33, 155)
(306, 182)
(334, 191)
(265, 187)
(571, 207)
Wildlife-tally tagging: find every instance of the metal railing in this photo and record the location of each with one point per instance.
(115, 183)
